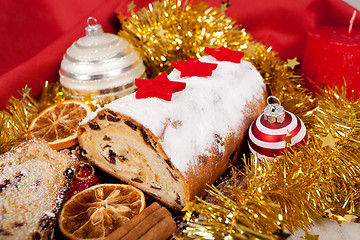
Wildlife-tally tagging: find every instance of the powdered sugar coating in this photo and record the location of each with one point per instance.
(32, 189)
(208, 107)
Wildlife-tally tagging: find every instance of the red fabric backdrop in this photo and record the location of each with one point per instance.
(35, 34)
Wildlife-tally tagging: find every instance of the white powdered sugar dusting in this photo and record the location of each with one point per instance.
(31, 179)
(208, 107)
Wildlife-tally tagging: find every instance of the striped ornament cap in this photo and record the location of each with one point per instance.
(275, 130)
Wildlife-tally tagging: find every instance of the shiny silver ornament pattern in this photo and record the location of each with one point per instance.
(274, 112)
(100, 66)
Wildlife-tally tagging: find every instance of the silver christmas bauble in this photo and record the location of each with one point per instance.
(100, 66)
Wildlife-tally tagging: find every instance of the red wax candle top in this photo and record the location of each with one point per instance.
(331, 56)
(337, 35)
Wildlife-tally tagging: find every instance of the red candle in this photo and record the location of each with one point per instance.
(332, 54)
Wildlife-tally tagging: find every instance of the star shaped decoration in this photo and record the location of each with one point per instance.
(225, 54)
(309, 236)
(189, 206)
(292, 62)
(341, 215)
(26, 91)
(287, 139)
(349, 217)
(131, 7)
(224, 6)
(160, 87)
(328, 140)
(193, 67)
(160, 32)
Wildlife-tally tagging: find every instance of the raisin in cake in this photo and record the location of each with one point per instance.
(33, 181)
(173, 149)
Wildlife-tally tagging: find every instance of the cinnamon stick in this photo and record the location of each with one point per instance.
(153, 223)
(124, 229)
(149, 222)
(161, 231)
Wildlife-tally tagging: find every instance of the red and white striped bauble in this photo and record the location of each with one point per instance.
(269, 135)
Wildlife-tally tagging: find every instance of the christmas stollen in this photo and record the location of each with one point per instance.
(173, 149)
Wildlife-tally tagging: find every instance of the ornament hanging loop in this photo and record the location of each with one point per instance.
(93, 19)
(273, 97)
(93, 29)
(274, 112)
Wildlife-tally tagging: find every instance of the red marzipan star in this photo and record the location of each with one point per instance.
(160, 87)
(193, 67)
(225, 54)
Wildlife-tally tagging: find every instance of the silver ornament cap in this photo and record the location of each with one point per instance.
(274, 112)
(100, 65)
(93, 29)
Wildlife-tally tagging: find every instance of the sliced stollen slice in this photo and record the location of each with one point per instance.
(173, 149)
(34, 179)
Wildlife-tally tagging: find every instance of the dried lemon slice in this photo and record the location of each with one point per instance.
(58, 123)
(99, 210)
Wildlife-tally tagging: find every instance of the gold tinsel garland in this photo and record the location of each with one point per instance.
(15, 121)
(338, 119)
(273, 196)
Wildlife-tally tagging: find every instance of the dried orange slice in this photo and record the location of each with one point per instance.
(99, 210)
(58, 124)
